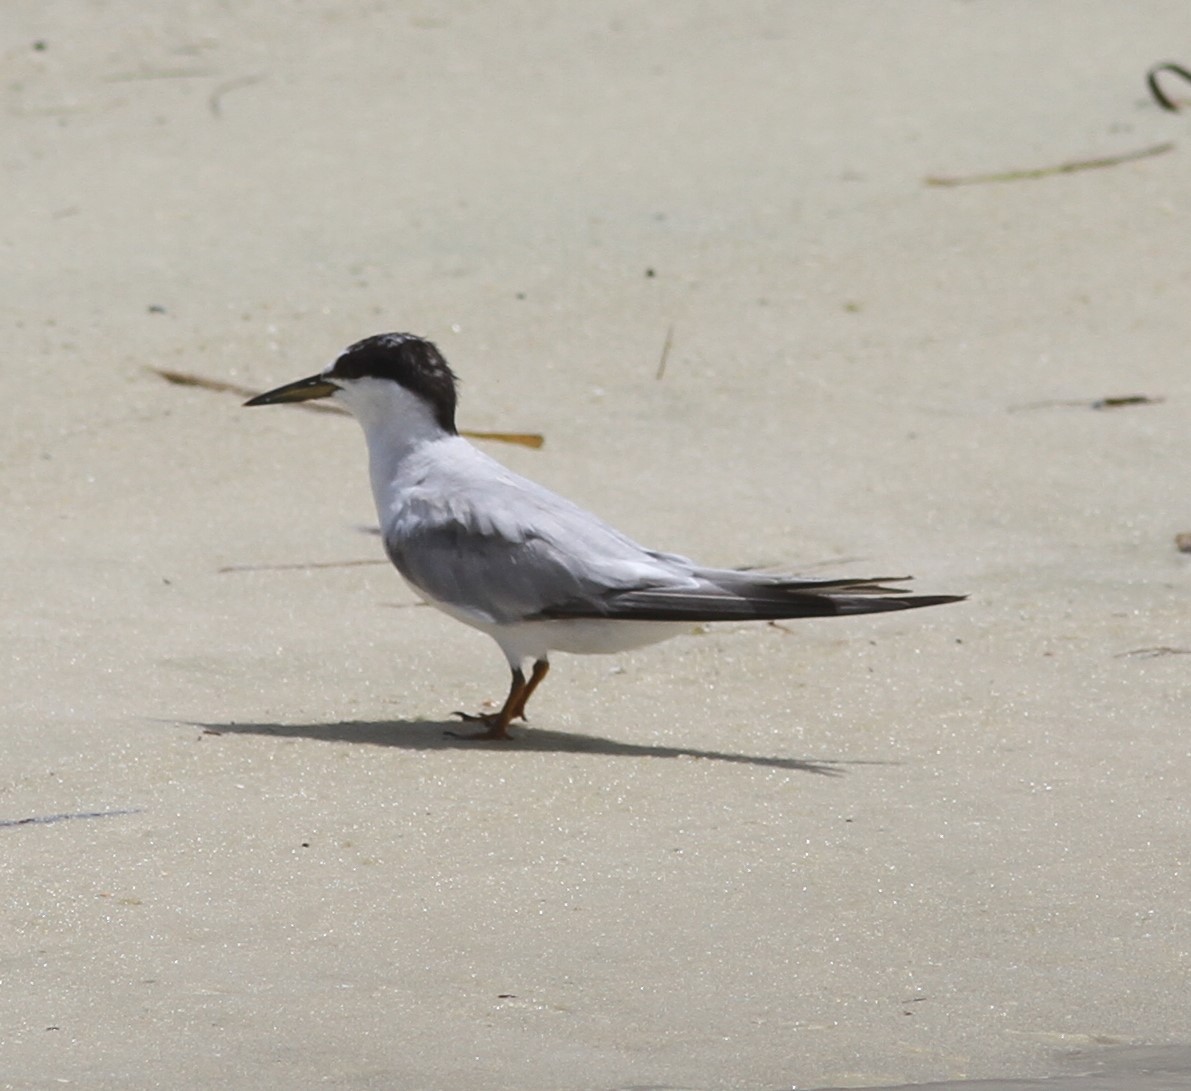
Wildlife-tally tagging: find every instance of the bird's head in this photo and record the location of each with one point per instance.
(388, 380)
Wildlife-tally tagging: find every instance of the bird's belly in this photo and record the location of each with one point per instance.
(583, 636)
(522, 640)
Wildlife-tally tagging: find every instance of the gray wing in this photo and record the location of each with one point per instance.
(538, 575)
(502, 549)
(510, 550)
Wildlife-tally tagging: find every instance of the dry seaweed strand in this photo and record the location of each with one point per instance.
(1045, 172)
(1160, 96)
(1113, 401)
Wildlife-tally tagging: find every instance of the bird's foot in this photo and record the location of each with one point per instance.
(497, 724)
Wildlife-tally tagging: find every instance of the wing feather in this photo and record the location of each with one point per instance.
(513, 550)
(499, 549)
(733, 598)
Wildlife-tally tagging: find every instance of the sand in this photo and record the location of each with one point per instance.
(239, 849)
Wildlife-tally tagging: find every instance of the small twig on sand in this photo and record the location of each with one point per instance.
(1045, 172)
(532, 440)
(665, 352)
(215, 99)
(183, 378)
(1153, 653)
(49, 819)
(1115, 401)
(296, 567)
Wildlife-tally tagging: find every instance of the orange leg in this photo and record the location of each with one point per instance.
(513, 708)
(540, 669)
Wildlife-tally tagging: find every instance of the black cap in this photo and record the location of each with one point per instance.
(406, 359)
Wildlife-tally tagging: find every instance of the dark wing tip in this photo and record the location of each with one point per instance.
(646, 604)
(846, 604)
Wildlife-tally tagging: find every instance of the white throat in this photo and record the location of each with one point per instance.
(397, 425)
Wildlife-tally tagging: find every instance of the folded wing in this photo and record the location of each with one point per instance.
(506, 550)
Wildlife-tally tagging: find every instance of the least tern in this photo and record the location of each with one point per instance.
(532, 570)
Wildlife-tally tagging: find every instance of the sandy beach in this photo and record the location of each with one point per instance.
(716, 255)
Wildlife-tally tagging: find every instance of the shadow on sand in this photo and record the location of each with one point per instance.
(429, 735)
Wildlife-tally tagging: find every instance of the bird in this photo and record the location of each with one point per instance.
(532, 570)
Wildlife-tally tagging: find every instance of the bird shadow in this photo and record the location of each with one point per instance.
(431, 735)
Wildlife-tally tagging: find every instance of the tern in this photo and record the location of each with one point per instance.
(506, 556)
